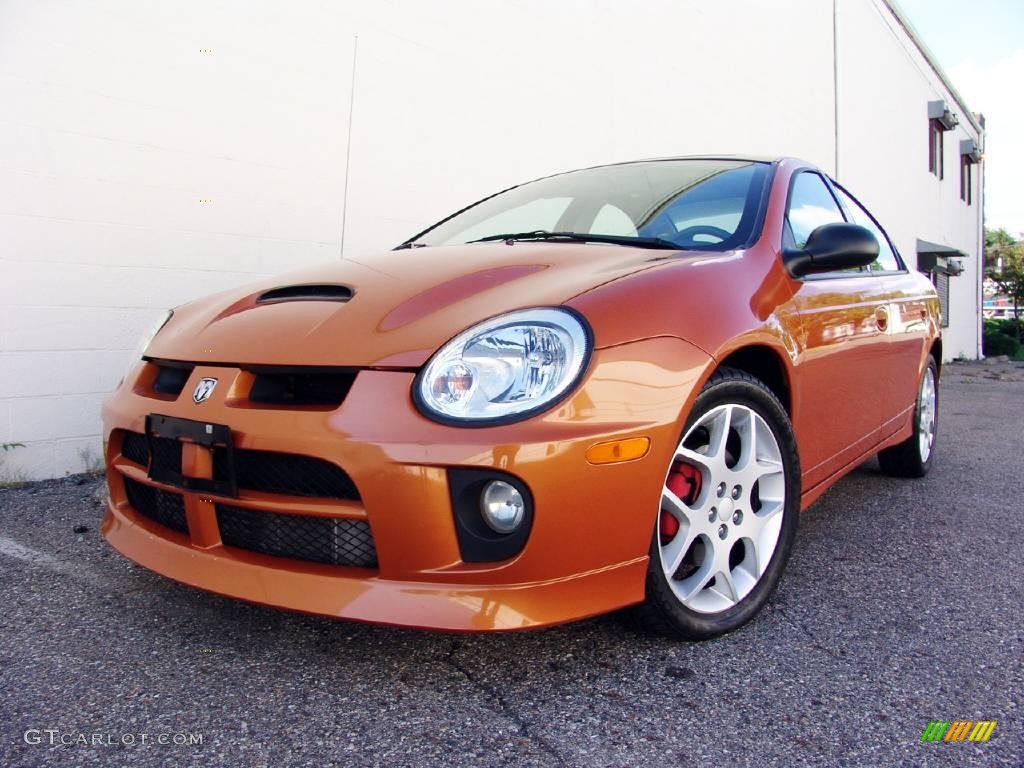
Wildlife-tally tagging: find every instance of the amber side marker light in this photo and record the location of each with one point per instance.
(615, 451)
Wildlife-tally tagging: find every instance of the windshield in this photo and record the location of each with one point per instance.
(691, 204)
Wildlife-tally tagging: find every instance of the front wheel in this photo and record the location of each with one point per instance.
(913, 457)
(728, 515)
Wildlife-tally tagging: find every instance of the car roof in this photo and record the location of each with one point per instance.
(741, 158)
(766, 159)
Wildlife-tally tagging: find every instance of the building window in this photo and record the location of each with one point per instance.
(966, 185)
(935, 147)
(940, 120)
(970, 155)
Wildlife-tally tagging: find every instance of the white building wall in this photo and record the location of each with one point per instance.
(154, 152)
(884, 87)
(114, 129)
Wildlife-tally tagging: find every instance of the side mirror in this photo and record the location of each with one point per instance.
(832, 247)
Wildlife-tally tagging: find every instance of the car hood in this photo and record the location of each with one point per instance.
(404, 304)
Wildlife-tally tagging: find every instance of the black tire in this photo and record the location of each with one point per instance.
(662, 612)
(905, 459)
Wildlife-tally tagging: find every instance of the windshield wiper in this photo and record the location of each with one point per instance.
(409, 244)
(583, 237)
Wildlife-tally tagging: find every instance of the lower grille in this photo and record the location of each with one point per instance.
(326, 540)
(287, 473)
(266, 471)
(163, 507)
(134, 448)
(166, 451)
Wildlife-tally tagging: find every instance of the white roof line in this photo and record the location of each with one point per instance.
(932, 62)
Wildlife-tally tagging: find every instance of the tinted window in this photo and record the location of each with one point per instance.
(703, 204)
(810, 206)
(886, 260)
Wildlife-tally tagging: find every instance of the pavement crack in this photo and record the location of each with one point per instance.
(500, 704)
(801, 627)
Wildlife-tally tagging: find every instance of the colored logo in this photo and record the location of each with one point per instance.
(204, 389)
(958, 730)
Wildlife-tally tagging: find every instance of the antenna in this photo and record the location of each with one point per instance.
(348, 142)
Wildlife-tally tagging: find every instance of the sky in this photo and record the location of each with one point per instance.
(980, 45)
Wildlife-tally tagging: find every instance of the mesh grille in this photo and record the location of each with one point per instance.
(134, 448)
(158, 505)
(166, 452)
(288, 473)
(314, 539)
(266, 471)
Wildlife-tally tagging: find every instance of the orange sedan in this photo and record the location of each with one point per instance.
(612, 387)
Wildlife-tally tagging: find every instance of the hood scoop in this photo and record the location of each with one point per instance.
(306, 292)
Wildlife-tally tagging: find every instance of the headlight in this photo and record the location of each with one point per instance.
(504, 368)
(147, 337)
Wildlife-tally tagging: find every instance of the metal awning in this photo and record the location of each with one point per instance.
(938, 111)
(970, 151)
(933, 257)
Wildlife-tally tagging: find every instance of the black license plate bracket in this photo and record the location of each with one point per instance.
(201, 433)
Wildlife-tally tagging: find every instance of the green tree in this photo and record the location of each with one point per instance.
(999, 245)
(1004, 266)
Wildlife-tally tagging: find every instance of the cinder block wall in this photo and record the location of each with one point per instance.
(149, 153)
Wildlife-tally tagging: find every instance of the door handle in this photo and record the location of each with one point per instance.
(882, 318)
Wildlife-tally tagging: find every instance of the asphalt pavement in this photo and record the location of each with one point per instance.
(901, 605)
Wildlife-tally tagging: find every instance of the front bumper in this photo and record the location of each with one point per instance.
(587, 549)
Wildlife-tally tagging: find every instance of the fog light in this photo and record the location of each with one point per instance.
(502, 506)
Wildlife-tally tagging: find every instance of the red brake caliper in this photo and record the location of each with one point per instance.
(684, 481)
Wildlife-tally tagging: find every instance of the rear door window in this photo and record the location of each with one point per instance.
(887, 260)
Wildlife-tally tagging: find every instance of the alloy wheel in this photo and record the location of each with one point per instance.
(721, 508)
(926, 414)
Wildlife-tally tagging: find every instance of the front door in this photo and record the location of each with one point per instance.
(843, 347)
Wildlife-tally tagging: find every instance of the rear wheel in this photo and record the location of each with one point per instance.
(728, 515)
(913, 457)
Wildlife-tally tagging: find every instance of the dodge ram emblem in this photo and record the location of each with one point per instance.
(204, 389)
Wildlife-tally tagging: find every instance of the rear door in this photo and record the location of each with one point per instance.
(905, 314)
(843, 349)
